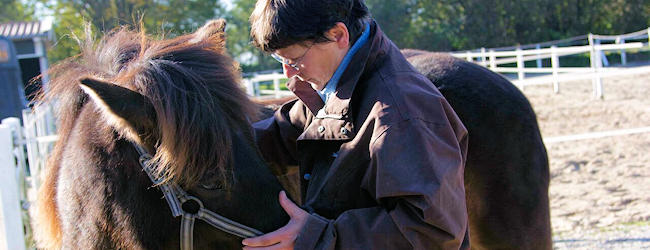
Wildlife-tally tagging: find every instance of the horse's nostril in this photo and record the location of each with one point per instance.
(191, 206)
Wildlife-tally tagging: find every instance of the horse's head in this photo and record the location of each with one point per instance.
(178, 98)
(158, 93)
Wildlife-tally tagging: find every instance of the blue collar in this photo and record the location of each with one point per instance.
(330, 87)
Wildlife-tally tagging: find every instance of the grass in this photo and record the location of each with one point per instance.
(268, 85)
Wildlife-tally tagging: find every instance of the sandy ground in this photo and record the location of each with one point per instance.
(597, 184)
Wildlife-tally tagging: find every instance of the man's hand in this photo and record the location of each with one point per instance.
(284, 237)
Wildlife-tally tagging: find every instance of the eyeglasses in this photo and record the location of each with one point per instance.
(287, 62)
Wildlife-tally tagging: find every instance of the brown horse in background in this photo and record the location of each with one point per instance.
(507, 172)
(179, 98)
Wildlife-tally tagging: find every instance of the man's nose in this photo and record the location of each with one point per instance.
(289, 71)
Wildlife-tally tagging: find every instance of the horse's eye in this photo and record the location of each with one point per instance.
(211, 186)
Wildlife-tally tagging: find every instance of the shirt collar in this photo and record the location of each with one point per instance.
(362, 63)
(330, 87)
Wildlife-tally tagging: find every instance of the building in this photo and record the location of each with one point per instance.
(12, 97)
(30, 40)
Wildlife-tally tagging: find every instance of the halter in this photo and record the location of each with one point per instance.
(190, 207)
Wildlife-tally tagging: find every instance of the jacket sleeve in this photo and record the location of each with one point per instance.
(416, 177)
(276, 136)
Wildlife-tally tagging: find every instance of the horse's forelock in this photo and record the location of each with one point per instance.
(194, 88)
(192, 84)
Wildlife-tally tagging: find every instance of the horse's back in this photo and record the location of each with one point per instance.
(507, 174)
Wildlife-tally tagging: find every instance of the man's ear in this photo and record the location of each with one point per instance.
(339, 34)
(213, 29)
(127, 111)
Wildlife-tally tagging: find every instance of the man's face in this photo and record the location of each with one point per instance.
(315, 63)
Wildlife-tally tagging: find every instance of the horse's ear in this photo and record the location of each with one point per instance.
(213, 29)
(126, 110)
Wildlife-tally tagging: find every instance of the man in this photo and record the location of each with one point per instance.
(381, 152)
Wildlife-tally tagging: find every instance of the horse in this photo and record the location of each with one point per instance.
(179, 99)
(507, 171)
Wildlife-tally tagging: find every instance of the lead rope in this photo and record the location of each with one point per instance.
(176, 197)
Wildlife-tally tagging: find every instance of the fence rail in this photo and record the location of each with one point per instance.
(499, 59)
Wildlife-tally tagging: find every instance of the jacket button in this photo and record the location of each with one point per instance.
(344, 131)
(321, 129)
(307, 177)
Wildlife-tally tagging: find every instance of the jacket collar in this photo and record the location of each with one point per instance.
(363, 62)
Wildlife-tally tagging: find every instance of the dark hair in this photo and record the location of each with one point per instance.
(277, 24)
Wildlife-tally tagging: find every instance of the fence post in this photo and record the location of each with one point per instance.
(539, 60)
(596, 64)
(493, 60)
(619, 40)
(602, 56)
(16, 128)
(35, 166)
(483, 59)
(250, 89)
(276, 86)
(555, 64)
(520, 66)
(469, 56)
(12, 221)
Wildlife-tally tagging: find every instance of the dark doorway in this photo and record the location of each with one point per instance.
(30, 68)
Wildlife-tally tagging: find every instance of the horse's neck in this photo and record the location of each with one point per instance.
(257, 186)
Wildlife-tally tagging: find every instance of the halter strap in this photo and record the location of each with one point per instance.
(176, 197)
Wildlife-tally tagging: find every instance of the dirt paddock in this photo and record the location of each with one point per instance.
(598, 185)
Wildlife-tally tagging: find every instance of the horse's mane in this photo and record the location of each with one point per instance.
(192, 84)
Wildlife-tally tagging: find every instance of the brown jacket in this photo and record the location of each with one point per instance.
(382, 162)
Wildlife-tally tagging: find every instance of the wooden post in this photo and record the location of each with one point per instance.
(35, 164)
(555, 64)
(12, 220)
(14, 124)
(276, 86)
(483, 57)
(469, 56)
(250, 88)
(520, 66)
(603, 58)
(596, 64)
(493, 60)
(539, 60)
(619, 40)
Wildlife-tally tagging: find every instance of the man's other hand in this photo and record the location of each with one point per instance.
(285, 237)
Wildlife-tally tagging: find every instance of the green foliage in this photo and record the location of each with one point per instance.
(167, 18)
(468, 24)
(239, 42)
(15, 10)
(442, 25)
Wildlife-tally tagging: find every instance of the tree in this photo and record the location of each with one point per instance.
(160, 17)
(239, 41)
(16, 10)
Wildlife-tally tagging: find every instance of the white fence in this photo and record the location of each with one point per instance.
(10, 193)
(23, 151)
(497, 60)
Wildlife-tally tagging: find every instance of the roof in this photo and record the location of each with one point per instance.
(26, 30)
